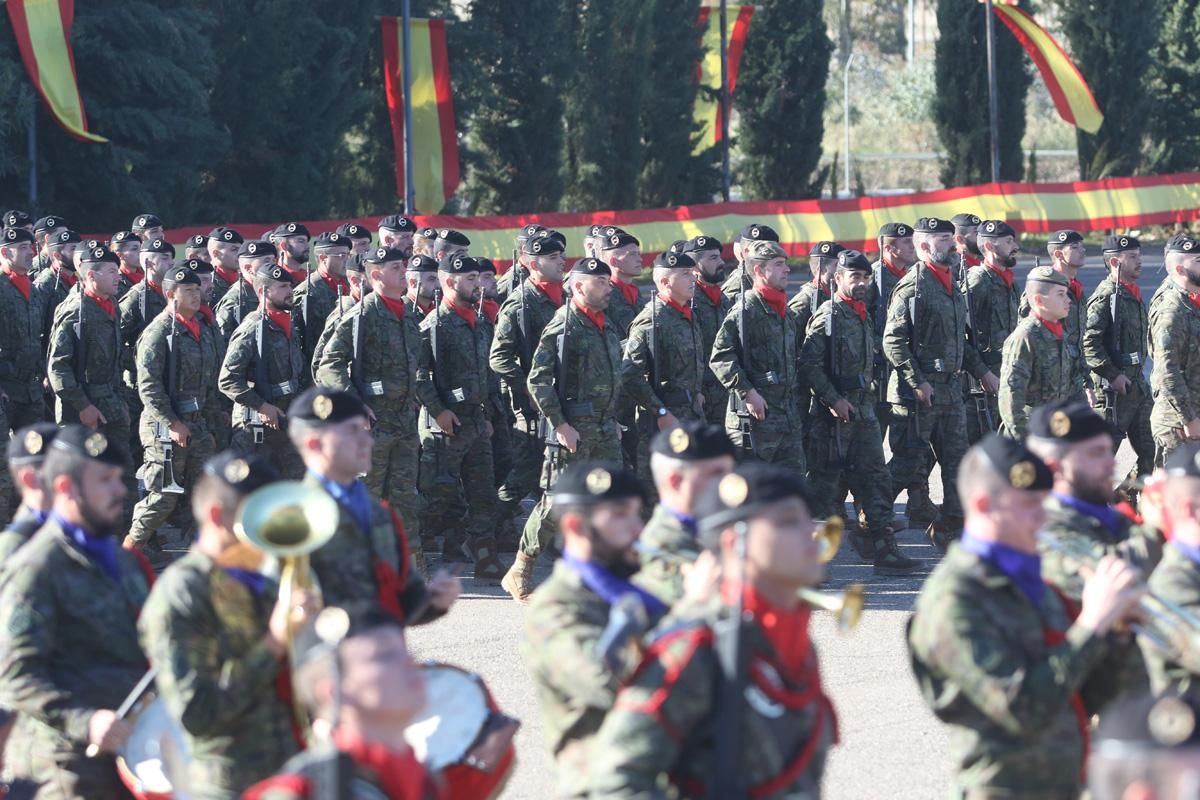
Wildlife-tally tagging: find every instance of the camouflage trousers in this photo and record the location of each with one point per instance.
(276, 447)
(854, 459)
(776, 441)
(941, 427)
(716, 400)
(133, 402)
(523, 477)
(153, 510)
(394, 467)
(458, 489)
(977, 428)
(1133, 421)
(599, 440)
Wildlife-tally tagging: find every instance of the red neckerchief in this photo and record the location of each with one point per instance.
(687, 312)
(106, 304)
(627, 289)
(786, 630)
(21, 282)
(134, 276)
(942, 276)
(597, 317)
(491, 309)
(466, 312)
(857, 306)
(401, 775)
(424, 309)
(1004, 274)
(552, 290)
(1054, 327)
(192, 325)
(897, 271)
(1133, 289)
(230, 276)
(775, 299)
(971, 261)
(711, 290)
(206, 312)
(66, 277)
(1076, 289)
(335, 283)
(395, 306)
(157, 289)
(282, 319)
(299, 276)
(1053, 638)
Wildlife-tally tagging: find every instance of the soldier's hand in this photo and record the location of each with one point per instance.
(92, 418)
(1109, 594)
(444, 589)
(668, 421)
(270, 415)
(924, 394)
(990, 383)
(567, 436)
(447, 421)
(107, 732)
(301, 607)
(756, 405)
(1120, 384)
(181, 434)
(702, 577)
(1191, 431)
(130, 544)
(843, 410)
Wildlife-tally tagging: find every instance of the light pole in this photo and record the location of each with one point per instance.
(993, 109)
(846, 116)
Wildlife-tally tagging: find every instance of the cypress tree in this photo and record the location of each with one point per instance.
(780, 97)
(1175, 122)
(15, 111)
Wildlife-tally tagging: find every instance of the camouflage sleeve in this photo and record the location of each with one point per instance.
(1023, 306)
(542, 372)
(897, 333)
(131, 323)
(152, 372)
(1171, 343)
(1095, 333)
(1016, 371)
(236, 369)
(427, 393)
(226, 315)
(505, 358)
(337, 355)
(726, 360)
(1143, 548)
(814, 358)
(635, 366)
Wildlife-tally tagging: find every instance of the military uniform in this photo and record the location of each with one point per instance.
(1175, 378)
(138, 307)
(805, 303)
(22, 353)
(365, 777)
(1176, 580)
(55, 283)
(234, 306)
(709, 308)
(319, 295)
(994, 302)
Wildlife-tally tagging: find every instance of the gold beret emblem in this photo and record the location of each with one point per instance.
(322, 406)
(1060, 424)
(598, 481)
(678, 440)
(1021, 475)
(33, 443)
(733, 490)
(237, 471)
(1171, 721)
(95, 445)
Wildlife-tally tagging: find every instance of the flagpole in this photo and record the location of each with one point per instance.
(407, 70)
(726, 178)
(993, 110)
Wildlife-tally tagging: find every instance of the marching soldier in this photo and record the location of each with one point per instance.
(1114, 345)
(68, 607)
(422, 281)
(457, 481)
(709, 307)
(993, 299)
(450, 244)
(222, 252)
(1174, 332)
(373, 352)
(519, 271)
(147, 227)
(291, 242)
(739, 278)
(26, 453)
(1037, 368)
(489, 303)
(822, 263)
(396, 232)
(217, 635)
(43, 233)
(16, 218)
(22, 350)
(320, 293)
(571, 616)
(241, 298)
(966, 239)
(196, 247)
(360, 238)
(575, 382)
(845, 444)
(721, 709)
(138, 307)
(56, 282)
(1001, 656)
(356, 279)
(1068, 256)
(128, 248)
(622, 253)
(262, 372)
(896, 254)
(755, 357)
(179, 358)
(422, 242)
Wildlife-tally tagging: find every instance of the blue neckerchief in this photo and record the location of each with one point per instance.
(354, 498)
(101, 550)
(610, 587)
(1023, 569)
(1188, 550)
(688, 523)
(1108, 516)
(40, 516)
(254, 581)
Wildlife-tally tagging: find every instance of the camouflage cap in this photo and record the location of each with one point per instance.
(1047, 275)
(763, 250)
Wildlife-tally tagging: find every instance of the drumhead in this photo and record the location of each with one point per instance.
(455, 712)
(154, 754)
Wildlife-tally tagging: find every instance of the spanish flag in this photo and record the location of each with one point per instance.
(1072, 96)
(434, 139)
(708, 105)
(43, 31)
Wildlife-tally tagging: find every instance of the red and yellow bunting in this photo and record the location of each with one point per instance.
(707, 109)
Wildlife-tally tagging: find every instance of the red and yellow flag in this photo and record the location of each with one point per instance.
(43, 31)
(737, 22)
(434, 139)
(1072, 96)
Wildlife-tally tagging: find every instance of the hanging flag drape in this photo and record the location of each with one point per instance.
(1072, 96)
(43, 31)
(434, 139)
(708, 111)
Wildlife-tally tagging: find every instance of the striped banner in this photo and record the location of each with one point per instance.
(1028, 207)
(43, 32)
(434, 138)
(708, 111)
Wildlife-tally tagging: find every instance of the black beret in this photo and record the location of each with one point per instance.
(677, 246)
(995, 229)
(745, 492)
(542, 245)
(287, 229)
(1016, 464)
(529, 231)
(693, 441)
(329, 241)
(620, 240)
(610, 230)
(590, 482)
(65, 236)
(270, 236)
(555, 236)
(382, 255)
(241, 472)
(16, 236)
(99, 255)
(427, 233)
(825, 250)
(322, 405)
(595, 231)
(458, 265)
(853, 261)
(200, 266)
(257, 248)
(28, 445)
(274, 272)
(1067, 421)
(757, 232)
(701, 243)
(398, 222)
(1180, 243)
(198, 240)
(1184, 461)
(143, 221)
(485, 264)
(590, 266)
(966, 220)
(422, 264)
(895, 230)
(121, 237)
(224, 234)
(182, 275)
(674, 261)
(934, 225)
(456, 238)
(82, 441)
(1145, 722)
(1064, 237)
(356, 262)
(48, 224)
(158, 246)
(353, 230)
(1047, 275)
(16, 218)
(1120, 244)
(91, 244)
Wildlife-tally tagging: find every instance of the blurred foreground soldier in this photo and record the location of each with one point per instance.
(127, 247)
(845, 446)
(241, 298)
(147, 226)
(22, 366)
(998, 654)
(291, 240)
(581, 620)
(709, 307)
(422, 282)
(26, 453)
(1147, 748)
(994, 298)
(718, 708)
(360, 238)
(321, 293)
(396, 232)
(69, 651)
(686, 462)
(367, 559)
(223, 246)
(736, 281)
(1068, 256)
(1174, 333)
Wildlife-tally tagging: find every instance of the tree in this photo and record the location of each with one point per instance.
(1174, 123)
(18, 105)
(1113, 42)
(780, 97)
(960, 107)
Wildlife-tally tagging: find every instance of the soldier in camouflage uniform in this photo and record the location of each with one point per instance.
(213, 628)
(43, 233)
(519, 270)
(422, 281)
(598, 508)
(356, 279)
(709, 307)
(138, 306)
(822, 263)
(994, 298)
(662, 725)
(291, 242)
(262, 371)
(179, 357)
(575, 382)
(360, 238)
(1174, 334)
(1068, 256)
(1037, 367)
(755, 357)
(54, 283)
(422, 241)
(396, 231)
(966, 240)
(1115, 339)
(196, 247)
(449, 244)
(16, 218)
(241, 298)
(845, 446)
(318, 296)
(222, 252)
(147, 227)
(457, 482)
(998, 654)
(373, 352)
(622, 252)
(69, 650)
(736, 281)
(128, 248)
(26, 452)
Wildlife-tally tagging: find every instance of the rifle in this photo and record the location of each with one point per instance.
(740, 409)
(1114, 350)
(913, 438)
(881, 365)
(168, 484)
(727, 777)
(257, 427)
(652, 344)
(439, 436)
(983, 414)
(555, 456)
(81, 347)
(356, 339)
(837, 449)
(518, 396)
(308, 286)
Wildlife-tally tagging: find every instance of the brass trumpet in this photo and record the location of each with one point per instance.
(829, 536)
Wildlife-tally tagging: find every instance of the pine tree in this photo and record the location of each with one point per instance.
(960, 107)
(780, 97)
(1175, 122)
(15, 111)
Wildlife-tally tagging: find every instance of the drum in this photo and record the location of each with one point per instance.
(153, 762)
(462, 734)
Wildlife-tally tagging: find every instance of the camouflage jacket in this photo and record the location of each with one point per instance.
(138, 308)
(52, 290)
(1037, 369)
(838, 357)
(1175, 378)
(17, 533)
(710, 315)
(1177, 581)
(411, 305)
(585, 386)
(456, 376)
(345, 306)
(283, 361)
(220, 286)
(101, 373)
(620, 311)
(197, 364)
(22, 342)
(978, 648)
(994, 313)
(233, 307)
(665, 361)
(513, 344)
(374, 354)
(737, 280)
(879, 297)
(805, 303)
(1073, 332)
(205, 632)
(514, 275)
(301, 777)
(1121, 351)
(663, 577)
(768, 361)
(322, 301)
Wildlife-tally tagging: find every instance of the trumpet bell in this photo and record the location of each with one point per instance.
(829, 535)
(845, 606)
(287, 519)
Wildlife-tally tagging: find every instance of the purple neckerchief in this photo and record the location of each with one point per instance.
(1023, 569)
(254, 581)
(610, 587)
(688, 523)
(101, 550)
(1191, 551)
(1108, 516)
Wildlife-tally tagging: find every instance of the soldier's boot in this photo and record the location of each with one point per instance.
(944, 531)
(518, 581)
(420, 561)
(506, 533)
(860, 541)
(483, 552)
(888, 558)
(921, 511)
